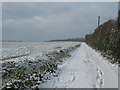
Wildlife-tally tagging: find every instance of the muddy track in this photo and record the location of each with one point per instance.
(13, 57)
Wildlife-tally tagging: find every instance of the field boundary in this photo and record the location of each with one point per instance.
(13, 57)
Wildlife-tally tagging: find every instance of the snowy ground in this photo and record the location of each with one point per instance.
(32, 49)
(85, 69)
(35, 68)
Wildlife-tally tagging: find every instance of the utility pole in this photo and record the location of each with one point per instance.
(98, 21)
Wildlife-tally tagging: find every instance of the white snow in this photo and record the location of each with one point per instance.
(85, 69)
(31, 49)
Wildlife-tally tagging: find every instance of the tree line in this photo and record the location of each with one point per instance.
(106, 38)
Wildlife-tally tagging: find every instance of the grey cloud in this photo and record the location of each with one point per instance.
(43, 21)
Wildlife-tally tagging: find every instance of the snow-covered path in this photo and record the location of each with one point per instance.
(85, 69)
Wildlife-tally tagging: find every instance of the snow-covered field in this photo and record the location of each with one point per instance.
(34, 49)
(85, 69)
(28, 64)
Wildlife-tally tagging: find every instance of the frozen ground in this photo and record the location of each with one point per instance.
(85, 69)
(32, 49)
(38, 66)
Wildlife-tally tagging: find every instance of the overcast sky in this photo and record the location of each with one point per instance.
(46, 21)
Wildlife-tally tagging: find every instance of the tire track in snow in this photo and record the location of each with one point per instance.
(59, 79)
(103, 70)
(72, 79)
(85, 70)
(99, 77)
(66, 83)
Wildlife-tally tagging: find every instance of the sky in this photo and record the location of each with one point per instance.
(119, 5)
(43, 21)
